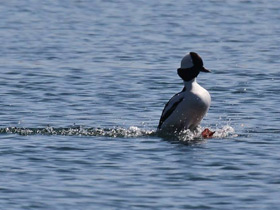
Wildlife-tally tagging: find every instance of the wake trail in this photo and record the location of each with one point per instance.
(118, 132)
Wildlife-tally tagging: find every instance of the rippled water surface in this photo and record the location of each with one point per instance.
(82, 87)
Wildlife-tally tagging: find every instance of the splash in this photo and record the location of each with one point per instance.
(80, 131)
(119, 132)
(226, 131)
(196, 135)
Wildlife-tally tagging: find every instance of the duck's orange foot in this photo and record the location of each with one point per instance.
(207, 133)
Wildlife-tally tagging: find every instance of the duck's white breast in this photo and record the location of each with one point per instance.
(192, 105)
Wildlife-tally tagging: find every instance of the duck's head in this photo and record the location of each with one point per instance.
(191, 65)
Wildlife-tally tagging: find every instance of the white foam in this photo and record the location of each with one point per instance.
(224, 132)
(131, 132)
(187, 135)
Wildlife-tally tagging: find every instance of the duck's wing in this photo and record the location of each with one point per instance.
(170, 107)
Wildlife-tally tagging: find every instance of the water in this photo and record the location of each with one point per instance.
(82, 87)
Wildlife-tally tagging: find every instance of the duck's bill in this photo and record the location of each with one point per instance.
(205, 70)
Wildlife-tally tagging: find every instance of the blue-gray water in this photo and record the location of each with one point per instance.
(82, 87)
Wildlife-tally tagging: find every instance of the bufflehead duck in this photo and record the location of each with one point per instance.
(186, 109)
